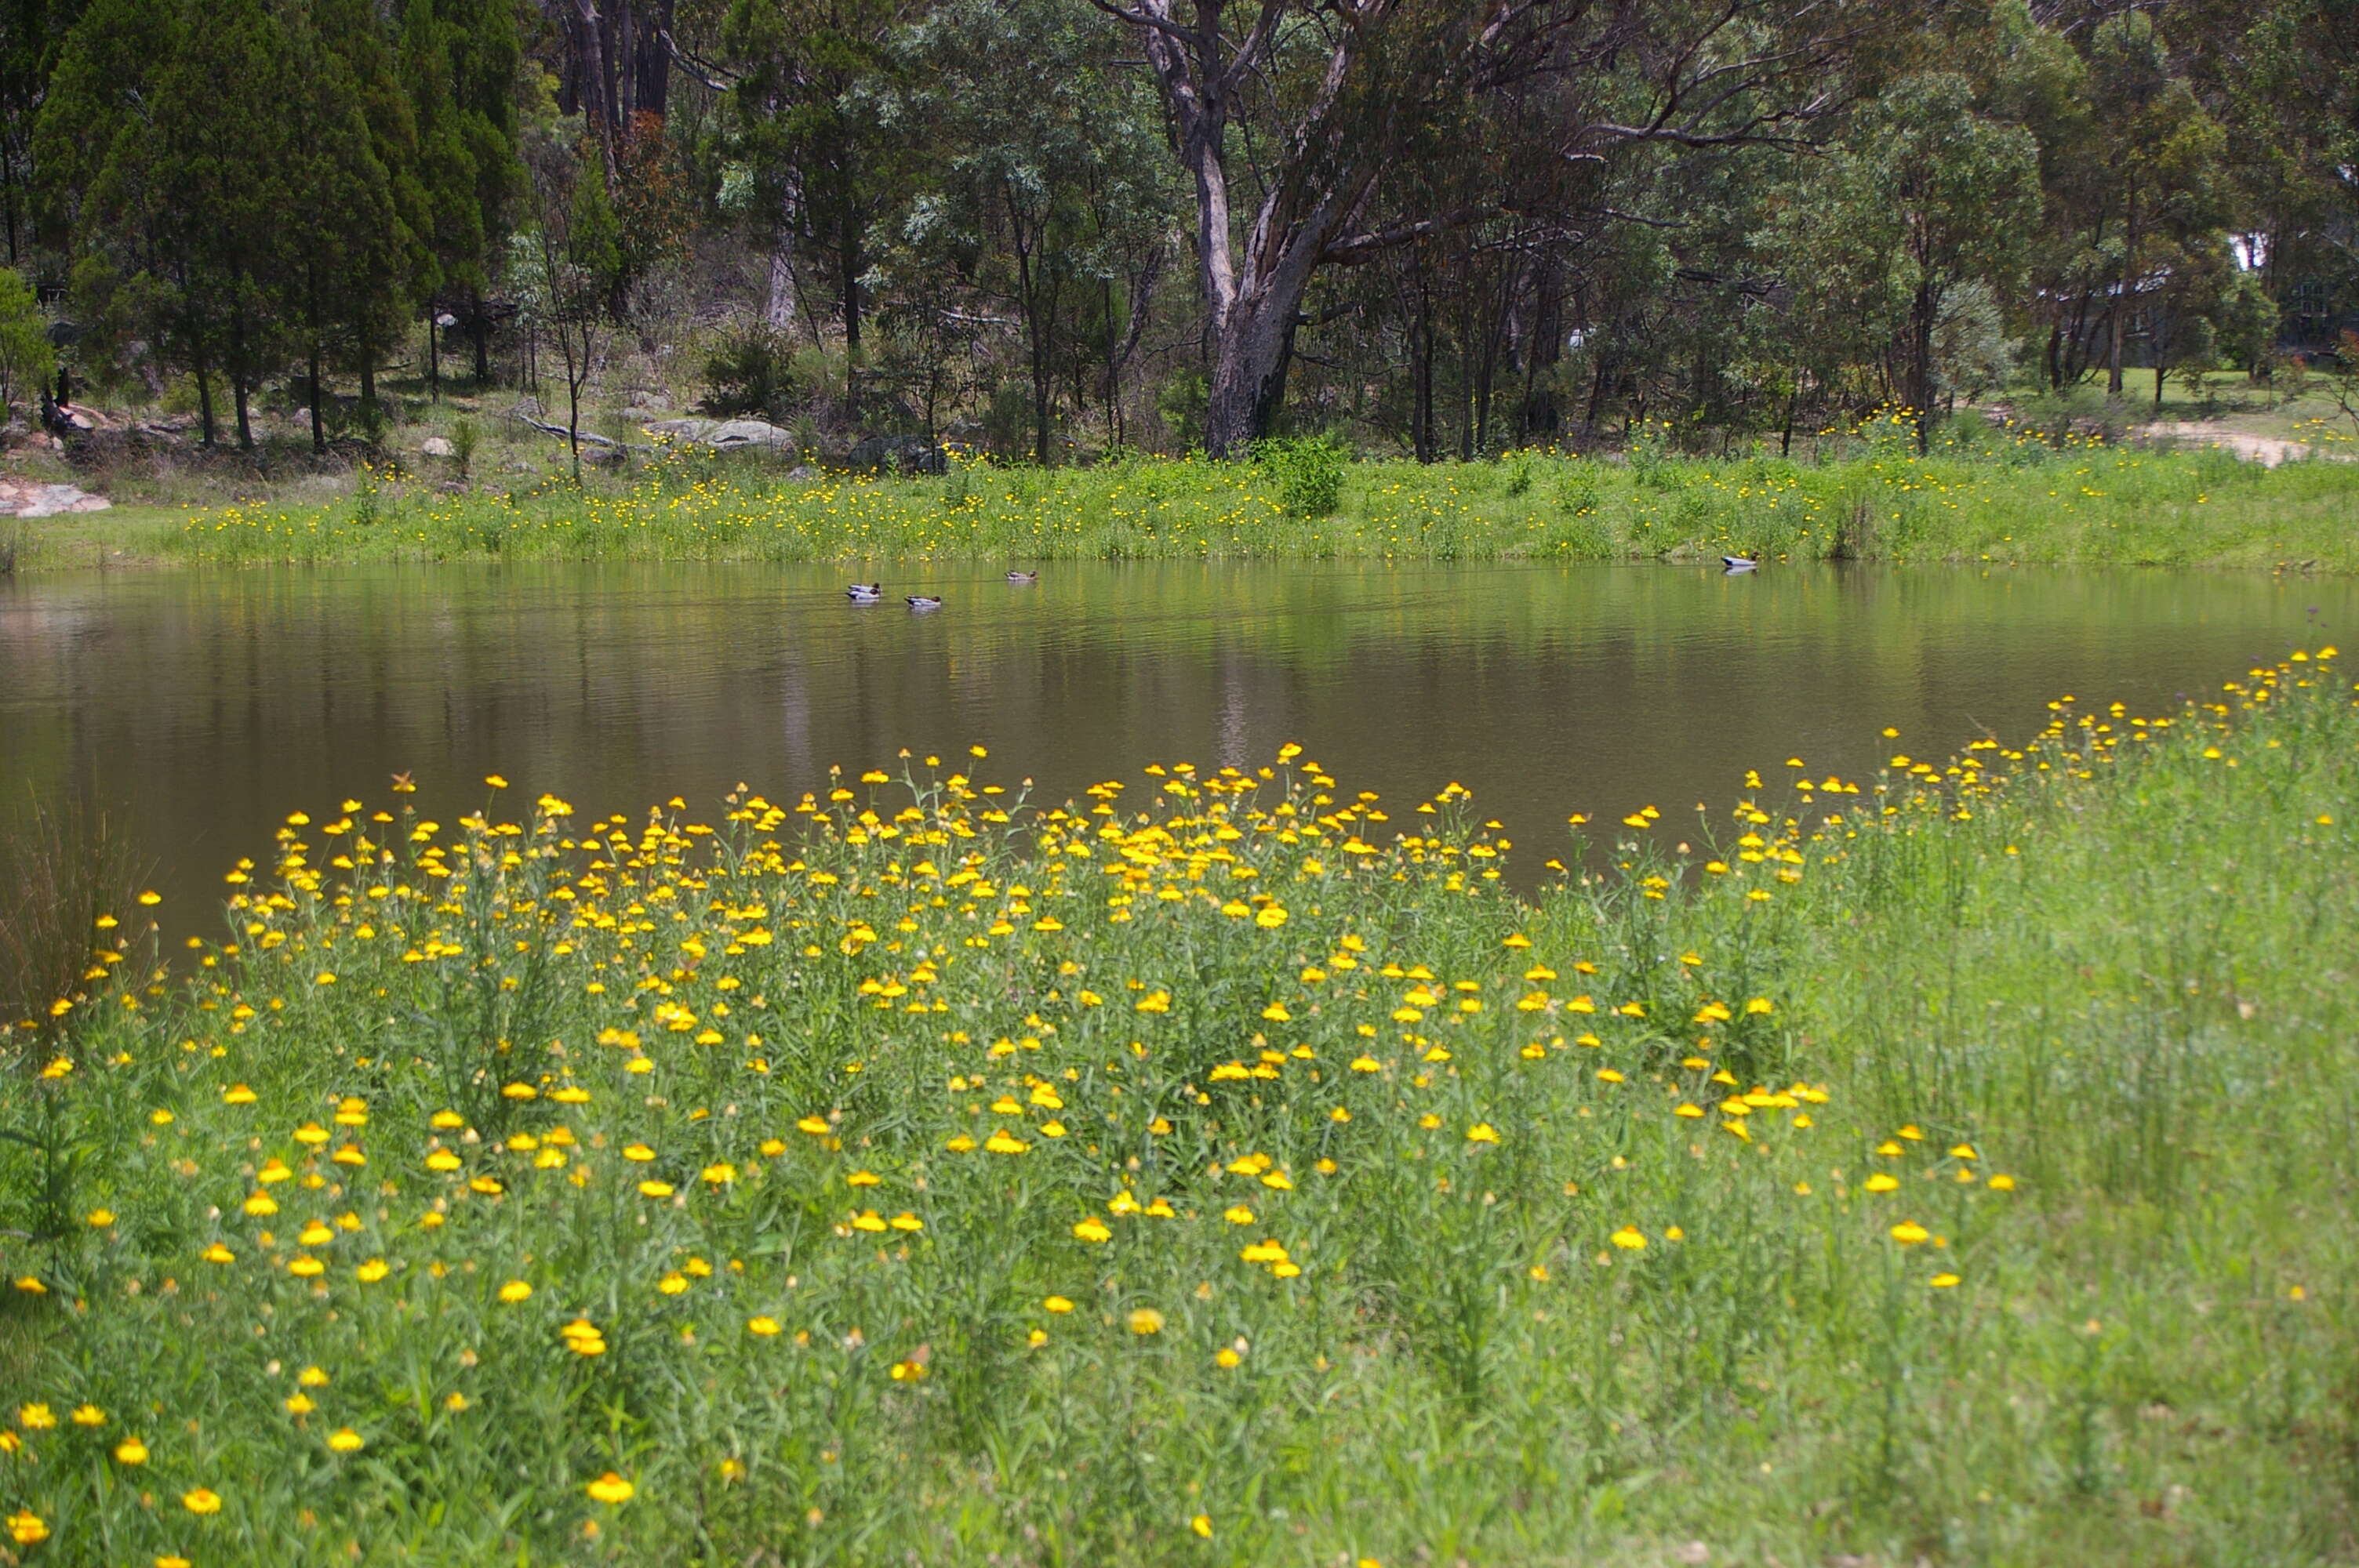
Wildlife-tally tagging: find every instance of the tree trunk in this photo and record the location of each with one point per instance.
(433, 354)
(848, 260)
(1921, 312)
(651, 64)
(479, 327)
(244, 423)
(626, 64)
(779, 305)
(1252, 348)
(1421, 372)
(573, 380)
(2122, 297)
(368, 377)
(597, 81)
(205, 403)
(318, 434)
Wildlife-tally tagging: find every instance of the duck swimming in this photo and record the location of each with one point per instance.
(924, 602)
(866, 593)
(1740, 563)
(1021, 577)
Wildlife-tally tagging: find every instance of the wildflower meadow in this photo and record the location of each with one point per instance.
(1225, 1167)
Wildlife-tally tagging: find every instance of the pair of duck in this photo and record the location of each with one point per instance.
(873, 593)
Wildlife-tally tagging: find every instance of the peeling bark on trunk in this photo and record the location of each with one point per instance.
(596, 82)
(779, 305)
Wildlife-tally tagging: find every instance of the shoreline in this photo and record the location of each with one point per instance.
(2100, 507)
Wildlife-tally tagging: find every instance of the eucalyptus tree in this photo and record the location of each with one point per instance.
(1927, 196)
(823, 161)
(568, 262)
(1286, 116)
(2167, 156)
(1050, 201)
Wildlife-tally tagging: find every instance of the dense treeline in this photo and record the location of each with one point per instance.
(1448, 226)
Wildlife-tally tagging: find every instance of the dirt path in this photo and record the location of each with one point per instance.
(2266, 450)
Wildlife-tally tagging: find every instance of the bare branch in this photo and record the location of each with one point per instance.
(1362, 247)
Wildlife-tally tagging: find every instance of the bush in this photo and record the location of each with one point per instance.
(27, 360)
(751, 374)
(1576, 487)
(1181, 403)
(1516, 469)
(1308, 470)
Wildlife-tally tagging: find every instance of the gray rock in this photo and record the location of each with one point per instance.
(436, 446)
(724, 434)
(897, 454)
(26, 498)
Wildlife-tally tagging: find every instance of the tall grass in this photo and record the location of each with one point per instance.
(1941, 1166)
(72, 876)
(2020, 501)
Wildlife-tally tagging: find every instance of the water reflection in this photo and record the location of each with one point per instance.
(213, 703)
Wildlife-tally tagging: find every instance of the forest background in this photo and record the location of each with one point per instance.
(1053, 228)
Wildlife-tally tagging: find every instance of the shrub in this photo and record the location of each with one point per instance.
(752, 373)
(1517, 468)
(27, 360)
(1308, 470)
(1576, 487)
(463, 437)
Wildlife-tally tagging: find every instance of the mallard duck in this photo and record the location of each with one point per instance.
(1021, 577)
(1740, 563)
(924, 602)
(865, 592)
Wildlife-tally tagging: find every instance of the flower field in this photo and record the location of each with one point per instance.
(1223, 1168)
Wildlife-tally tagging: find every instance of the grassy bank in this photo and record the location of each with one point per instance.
(2010, 502)
(1946, 1166)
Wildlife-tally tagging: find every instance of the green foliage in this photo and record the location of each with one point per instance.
(751, 371)
(27, 360)
(1308, 470)
(2027, 493)
(1182, 402)
(1579, 484)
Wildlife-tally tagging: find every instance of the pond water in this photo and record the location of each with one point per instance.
(210, 704)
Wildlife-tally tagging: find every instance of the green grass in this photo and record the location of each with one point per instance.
(2002, 499)
(1546, 1230)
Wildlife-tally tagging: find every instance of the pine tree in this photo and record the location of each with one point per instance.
(371, 195)
(459, 61)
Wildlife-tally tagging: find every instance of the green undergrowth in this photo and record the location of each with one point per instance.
(2020, 502)
(1947, 1166)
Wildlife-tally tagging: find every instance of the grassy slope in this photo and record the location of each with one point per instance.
(2120, 976)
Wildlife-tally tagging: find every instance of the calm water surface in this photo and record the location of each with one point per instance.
(211, 704)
